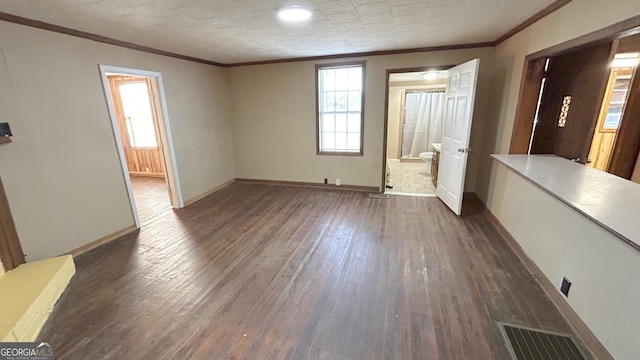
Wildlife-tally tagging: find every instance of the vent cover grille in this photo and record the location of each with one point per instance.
(531, 344)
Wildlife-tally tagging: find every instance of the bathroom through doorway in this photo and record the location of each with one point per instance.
(415, 112)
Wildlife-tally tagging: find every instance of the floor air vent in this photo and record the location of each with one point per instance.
(531, 344)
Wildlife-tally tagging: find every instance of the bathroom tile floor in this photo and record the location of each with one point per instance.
(410, 178)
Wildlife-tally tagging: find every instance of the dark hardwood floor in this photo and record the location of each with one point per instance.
(276, 272)
(152, 198)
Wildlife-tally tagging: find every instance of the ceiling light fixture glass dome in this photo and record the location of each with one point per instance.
(430, 75)
(294, 13)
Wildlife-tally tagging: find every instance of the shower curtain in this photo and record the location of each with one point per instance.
(423, 122)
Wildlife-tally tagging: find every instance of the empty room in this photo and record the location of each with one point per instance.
(344, 179)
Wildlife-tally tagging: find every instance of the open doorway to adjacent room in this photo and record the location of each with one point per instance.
(583, 104)
(415, 112)
(138, 114)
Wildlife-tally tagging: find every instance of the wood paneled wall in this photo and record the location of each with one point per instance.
(583, 75)
(140, 161)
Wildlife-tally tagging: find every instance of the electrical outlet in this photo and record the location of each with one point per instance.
(566, 284)
(338, 182)
(326, 181)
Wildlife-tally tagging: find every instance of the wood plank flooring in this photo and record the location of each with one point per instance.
(277, 272)
(152, 198)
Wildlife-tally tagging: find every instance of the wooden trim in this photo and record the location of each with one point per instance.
(528, 97)
(539, 15)
(11, 254)
(339, 153)
(107, 40)
(103, 240)
(155, 175)
(309, 185)
(363, 65)
(595, 347)
(366, 54)
(209, 192)
(99, 38)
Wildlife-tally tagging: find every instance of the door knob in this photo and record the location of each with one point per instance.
(464, 150)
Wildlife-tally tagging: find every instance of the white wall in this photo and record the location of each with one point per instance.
(61, 174)
(556, 238)
(274, 121)
(393, 125)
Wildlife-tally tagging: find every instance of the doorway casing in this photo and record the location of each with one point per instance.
(164, 128)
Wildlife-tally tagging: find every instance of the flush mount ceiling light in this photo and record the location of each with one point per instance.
(430, 75)
(294, 13)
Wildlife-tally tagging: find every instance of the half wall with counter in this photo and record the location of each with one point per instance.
(583, 224)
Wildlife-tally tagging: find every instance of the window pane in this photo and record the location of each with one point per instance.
(355, 97)
(328, 141)
(341, 122)
(341, 141)
(342, 79)
(329, 79)
(354, 122)
(342, 100)
(355, 78)
(328, 122)
(329, 102)
(353, 141)
(137, 111)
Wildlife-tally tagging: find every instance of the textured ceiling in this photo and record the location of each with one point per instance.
(238, 31)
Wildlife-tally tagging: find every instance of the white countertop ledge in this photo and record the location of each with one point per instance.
(610, 201)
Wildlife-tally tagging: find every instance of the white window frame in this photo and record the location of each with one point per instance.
(320, 110)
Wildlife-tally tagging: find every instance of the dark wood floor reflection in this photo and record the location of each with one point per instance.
(275, 272)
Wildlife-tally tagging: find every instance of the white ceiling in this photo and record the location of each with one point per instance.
(236, 31)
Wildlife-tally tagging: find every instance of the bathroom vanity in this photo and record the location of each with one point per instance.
(435, 161)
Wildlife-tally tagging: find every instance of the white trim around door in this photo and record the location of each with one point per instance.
(165, 133)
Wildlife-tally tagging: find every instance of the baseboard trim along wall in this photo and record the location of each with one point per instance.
(156, 175)
(310, 185)
(209, 192)
(586, 335)
(103, 240)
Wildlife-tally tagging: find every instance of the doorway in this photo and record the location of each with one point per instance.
(610, 116)
(586, 107)
(415, 106)
(451, 154)
(139, 118)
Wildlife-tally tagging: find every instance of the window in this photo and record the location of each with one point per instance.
(340, 105)
(139, 117)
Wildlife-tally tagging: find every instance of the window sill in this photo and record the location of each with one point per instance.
(336, 153)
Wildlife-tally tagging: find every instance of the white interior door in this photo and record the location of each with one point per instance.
(459, 99)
